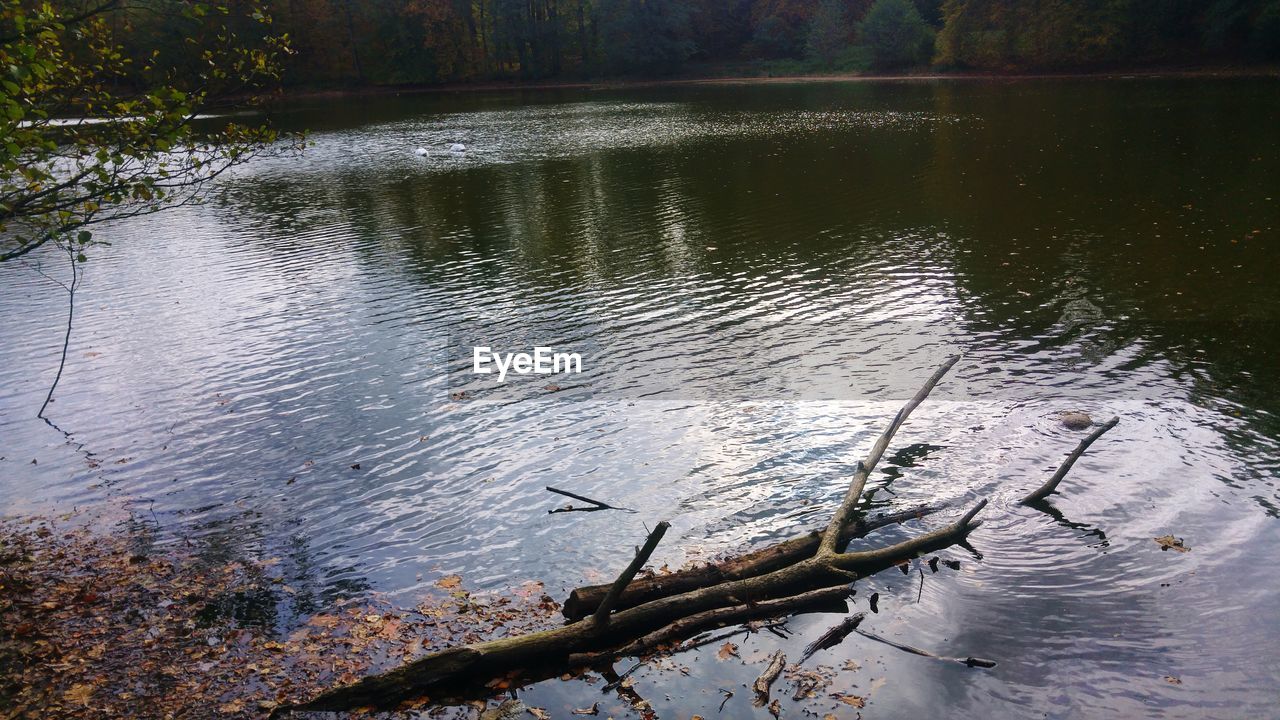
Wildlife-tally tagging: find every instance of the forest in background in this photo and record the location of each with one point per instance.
(395, 42)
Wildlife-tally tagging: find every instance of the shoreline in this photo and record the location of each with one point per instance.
(727, 80)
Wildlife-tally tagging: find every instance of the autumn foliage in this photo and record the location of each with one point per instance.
(93, 625)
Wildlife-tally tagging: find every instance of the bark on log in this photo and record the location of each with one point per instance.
(583, 601)
(831, 599)
(832, 637)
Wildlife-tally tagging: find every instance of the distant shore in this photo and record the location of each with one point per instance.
(713, 79)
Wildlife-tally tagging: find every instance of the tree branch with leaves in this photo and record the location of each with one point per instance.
(104, 109)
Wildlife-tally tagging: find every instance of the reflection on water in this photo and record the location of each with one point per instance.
(769, 272)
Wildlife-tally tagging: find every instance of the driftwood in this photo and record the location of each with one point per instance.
(771, 672)
(1049, 487)
(832, 637)
(813, 572)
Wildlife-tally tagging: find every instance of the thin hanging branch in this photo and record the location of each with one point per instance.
(1049, 487)
(66, 338)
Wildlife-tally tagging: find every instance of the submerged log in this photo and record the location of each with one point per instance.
(804, 573)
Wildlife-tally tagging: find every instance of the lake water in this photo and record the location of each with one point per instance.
(757, 277)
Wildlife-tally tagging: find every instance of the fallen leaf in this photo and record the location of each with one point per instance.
(593, 710)
(850, 700)
(727, 651)
(449, 582)
(79, 694)
(539, 713)
(1172, 680)
(1169, 542)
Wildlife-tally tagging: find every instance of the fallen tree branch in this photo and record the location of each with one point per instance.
(969, 661)
(598, 505)
(829, 599)
(601, 615)
(1049, 487)
(818, 580)
(583, 601)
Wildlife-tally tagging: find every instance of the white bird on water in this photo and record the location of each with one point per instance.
(457, 148)
(421, 152)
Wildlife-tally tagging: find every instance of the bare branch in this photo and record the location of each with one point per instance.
(1049, 487)
(831, 537)
(601, 616)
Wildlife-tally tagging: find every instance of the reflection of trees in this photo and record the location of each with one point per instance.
(1063, 193)
(1037, 197)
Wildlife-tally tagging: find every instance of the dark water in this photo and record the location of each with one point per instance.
(757, 278)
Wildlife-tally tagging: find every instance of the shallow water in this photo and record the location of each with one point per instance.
(757, 277)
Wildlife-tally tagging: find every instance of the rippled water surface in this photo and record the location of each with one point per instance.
(757, 277)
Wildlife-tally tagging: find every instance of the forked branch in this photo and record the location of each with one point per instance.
(831, 536)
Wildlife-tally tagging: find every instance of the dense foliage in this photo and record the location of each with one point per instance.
(428, 41)
(896, 34)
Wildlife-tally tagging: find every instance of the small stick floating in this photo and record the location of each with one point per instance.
(569, 508)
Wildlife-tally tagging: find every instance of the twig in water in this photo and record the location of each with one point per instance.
(569, 508)
(727, 694)
(968, 661)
